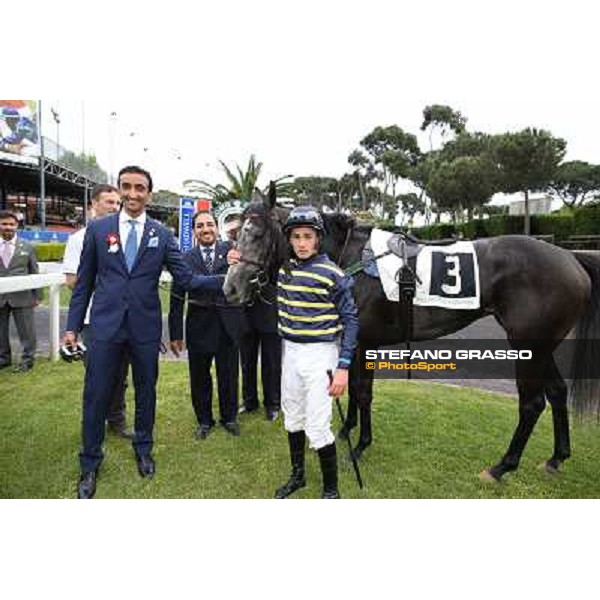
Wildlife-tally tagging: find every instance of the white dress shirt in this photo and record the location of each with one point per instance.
(125, 228)
(11, 245)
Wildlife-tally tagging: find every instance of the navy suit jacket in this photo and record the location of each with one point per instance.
(125, 301)
(211, 321)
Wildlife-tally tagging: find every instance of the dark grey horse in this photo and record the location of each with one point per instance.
(535, 290)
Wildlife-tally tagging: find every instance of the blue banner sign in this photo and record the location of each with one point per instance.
(187, 208)
(30, 235)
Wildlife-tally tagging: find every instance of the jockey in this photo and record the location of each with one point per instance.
(318, 322)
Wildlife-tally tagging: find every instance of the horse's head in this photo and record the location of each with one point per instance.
(262, 247)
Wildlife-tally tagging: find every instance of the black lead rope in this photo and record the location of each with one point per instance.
(359, 266)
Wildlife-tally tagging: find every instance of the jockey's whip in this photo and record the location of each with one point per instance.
(354, 461)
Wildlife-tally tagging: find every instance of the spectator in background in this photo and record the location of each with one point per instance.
(105, 201)
(213, 330)
(17, 258)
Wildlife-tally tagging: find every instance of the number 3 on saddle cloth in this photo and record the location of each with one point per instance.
(447, 276)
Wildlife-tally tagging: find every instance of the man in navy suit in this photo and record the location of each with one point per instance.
(213, 331)
(121, 263)
(264, 334)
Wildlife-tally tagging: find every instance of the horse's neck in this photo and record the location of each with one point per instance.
(346, 249)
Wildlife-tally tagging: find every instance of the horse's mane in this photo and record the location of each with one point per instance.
(343, 222)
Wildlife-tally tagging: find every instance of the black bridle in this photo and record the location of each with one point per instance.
(345, 246)
(266, 273)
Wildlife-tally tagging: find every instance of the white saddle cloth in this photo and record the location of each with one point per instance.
(449, 275)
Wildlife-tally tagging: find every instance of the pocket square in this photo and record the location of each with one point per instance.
(153, 242)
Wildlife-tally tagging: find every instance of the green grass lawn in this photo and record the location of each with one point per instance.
(430, 441)
(65, 297)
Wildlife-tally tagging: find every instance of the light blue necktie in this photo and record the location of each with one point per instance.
(131, 246)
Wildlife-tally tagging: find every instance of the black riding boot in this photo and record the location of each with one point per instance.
(328, 458)
(296, 481)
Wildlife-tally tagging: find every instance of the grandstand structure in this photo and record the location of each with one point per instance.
(66, 190)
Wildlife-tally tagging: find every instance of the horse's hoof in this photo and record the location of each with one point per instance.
(486, 477)
(550, 468)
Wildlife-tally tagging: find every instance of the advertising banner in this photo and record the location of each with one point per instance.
(19, 127)
(187, 208)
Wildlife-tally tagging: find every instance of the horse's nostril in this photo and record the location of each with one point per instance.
(231, 292)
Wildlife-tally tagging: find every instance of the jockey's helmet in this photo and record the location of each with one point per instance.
(304, 216)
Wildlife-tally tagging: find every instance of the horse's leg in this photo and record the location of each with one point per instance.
(531, 406)
(352, 415)
(364, 399)
(556, 394)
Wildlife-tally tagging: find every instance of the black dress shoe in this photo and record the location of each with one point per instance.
(247, 409)
(5, 366)
(145, 465)
(272, 414)
(87, 485)
(203, 432)
(233, 428)
(23, 368)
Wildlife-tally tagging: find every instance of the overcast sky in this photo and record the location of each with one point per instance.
(299, 87)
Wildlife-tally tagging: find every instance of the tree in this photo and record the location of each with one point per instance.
(443, 119)
(364, 171)
(394, 152)
(575, 180)
(528, 161)
(467, 182)
(317, 191)
(241, 184)
(348, 189)
(467, 144)
(84, 164)
(165, 198)
(410, 206)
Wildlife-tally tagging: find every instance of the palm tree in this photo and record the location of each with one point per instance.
(241, 185)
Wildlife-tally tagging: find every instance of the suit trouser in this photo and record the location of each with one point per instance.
(116, 406)
(25, 322)
(226, 359)
(270, 369)
(104, 361)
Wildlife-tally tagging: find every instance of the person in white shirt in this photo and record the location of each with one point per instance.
(105, 201)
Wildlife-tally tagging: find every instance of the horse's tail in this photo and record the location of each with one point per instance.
(585, 384)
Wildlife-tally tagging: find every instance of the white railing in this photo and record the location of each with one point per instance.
(53, 280)
(20, 283)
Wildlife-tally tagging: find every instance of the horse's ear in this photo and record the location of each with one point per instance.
(257, 196)
(272, 199)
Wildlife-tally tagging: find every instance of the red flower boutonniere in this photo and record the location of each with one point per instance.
(113, 241)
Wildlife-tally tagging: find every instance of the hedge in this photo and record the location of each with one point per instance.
(50, 251)
(584, 221)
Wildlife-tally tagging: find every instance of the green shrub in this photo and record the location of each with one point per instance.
(437, 231)
(587, 220)
(561, 226)
(50, 251)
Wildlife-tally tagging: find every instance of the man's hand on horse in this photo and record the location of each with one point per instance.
(339, 383)
(233, 256)
(176, 347)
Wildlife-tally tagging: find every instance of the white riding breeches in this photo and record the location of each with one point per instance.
(305, 399)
